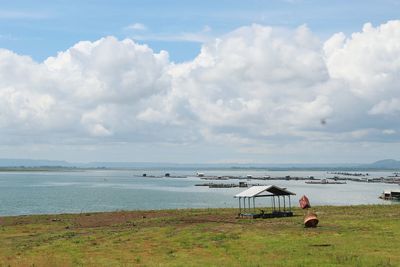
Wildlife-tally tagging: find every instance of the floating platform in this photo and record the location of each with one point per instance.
(324, 181)
(215, 185)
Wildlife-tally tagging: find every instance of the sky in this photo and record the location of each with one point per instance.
(285, 81)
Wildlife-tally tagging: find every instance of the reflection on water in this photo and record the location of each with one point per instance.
(106, 190)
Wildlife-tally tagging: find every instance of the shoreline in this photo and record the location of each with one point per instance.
(177, 210)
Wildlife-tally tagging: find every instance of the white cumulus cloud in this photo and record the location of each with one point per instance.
(257, 86)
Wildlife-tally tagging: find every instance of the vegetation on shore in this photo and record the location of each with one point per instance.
(346, 236)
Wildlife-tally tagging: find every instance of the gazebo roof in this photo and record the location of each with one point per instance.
(265, 190)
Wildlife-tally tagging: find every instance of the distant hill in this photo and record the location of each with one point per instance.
(387, 164)
(208, 165)
(390, 164)
(30, 163)
(33, 163)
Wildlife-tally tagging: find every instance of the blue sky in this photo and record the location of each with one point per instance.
(42, 28)
(200, 81)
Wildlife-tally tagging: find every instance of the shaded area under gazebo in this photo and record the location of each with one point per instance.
(280, 202)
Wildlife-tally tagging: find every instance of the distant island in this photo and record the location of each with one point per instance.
(21, 164)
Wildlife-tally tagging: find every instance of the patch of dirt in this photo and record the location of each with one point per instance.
(115, 218)
(163, 218)
(135, 218)
(20, 220)
(209, 218)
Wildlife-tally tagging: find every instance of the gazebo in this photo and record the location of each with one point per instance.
(280, 201)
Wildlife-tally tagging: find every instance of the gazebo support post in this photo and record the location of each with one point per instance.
(284, 203)
(279, 203)
(240, 207)
(274, 203)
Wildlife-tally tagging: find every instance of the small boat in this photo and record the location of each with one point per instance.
(390, 195)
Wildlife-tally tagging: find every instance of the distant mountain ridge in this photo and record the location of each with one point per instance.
(383, 164)
(386, 164)
(33, 163)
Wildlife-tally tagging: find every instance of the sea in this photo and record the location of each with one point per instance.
(53, 192)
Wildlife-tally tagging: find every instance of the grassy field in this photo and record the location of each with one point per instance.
(346, 236)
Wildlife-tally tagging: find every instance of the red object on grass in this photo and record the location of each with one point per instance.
(304, 202)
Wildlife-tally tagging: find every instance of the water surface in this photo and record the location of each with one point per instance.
(109, 190)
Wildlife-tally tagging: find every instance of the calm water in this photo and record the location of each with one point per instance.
(106, 190)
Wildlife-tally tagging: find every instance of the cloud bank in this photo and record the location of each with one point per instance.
(253, 88)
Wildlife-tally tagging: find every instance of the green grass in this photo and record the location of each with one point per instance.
(346, 236)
